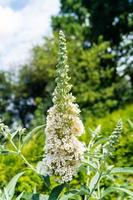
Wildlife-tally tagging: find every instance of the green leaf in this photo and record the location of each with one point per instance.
(84, 191)
(10, 188)
(130, 123)
(46, 181)
(43, 197)
(19, 197)
(75, 193)
(69, 195)
(66, 196)
(91, 164)
(56, 192)
(122, 170)
(30, 134)
(35, 197)
(99, 141)
(116, 189)
(94, 181)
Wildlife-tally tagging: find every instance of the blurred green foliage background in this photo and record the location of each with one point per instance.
(100, 40)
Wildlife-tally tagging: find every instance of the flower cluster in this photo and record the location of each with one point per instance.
(109, 147)
(63, 151)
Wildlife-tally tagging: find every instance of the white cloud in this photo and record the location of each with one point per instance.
(21, 29)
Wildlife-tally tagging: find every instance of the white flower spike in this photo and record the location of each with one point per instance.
(63, 151)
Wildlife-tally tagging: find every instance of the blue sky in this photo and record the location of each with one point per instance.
(23, 23)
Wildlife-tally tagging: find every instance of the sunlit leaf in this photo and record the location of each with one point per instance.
(10, 188)
(116, 189)
(94, 181)
(128, 170)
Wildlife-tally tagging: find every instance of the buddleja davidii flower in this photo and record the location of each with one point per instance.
(109, 146)
(62, 95)
(63, 151)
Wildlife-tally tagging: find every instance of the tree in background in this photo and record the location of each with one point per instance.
(6, 97)
(92, 18)
(109, 18)
(99, 86)
(87, 22)
(99, 89)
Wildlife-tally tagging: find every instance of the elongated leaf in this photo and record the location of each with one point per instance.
(43, 197)
(69, 195)
(128, 170)
(100, 141)
(6, 196)
(19, 197)
(94, 181)
(75, 193)
(33, 132)
(35, 197)
(47, 181)
(83, 190)
(91, 164)
(116, 189)
(56, 192)
(10, 188)
(130, 123)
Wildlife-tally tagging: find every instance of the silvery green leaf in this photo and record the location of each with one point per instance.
(10, 188)
(75, 194)
(30, 134)
(116, 189)
(90, 164)
(130, 123)
(19, 197)
(94, 181)
(116, 170)
(70, 195)
(43, 197)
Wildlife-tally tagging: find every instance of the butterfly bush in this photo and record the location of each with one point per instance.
(63, 151)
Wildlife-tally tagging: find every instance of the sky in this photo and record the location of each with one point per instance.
(23, 24)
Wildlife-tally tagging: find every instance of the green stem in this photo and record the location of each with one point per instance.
(22, 156)
(26, 162)
(95, 186)
(99, 192)
(13, 145)
(87, 184)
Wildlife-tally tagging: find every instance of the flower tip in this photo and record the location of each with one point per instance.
(61, 34)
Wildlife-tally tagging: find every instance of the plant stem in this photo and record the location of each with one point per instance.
(26, 162)
(95, 186)
(22, 156)
(99, 192)
(13, 145)
(87, 184)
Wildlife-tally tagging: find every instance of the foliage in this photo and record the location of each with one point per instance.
(33, 151)
(94, 169)
(95, 178)
(86, 21)
(6, 97)
(90, 19)
(109, 18)
(98, 87)
(9, 190)
(125, 61)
